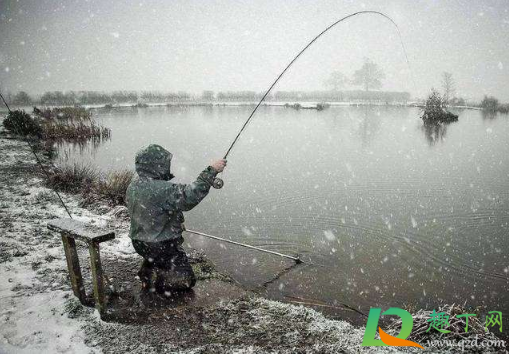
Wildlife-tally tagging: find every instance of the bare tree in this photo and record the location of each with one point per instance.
(370, 76)
(207, 95)
(337, 80)
(22, 98)
(448, 86)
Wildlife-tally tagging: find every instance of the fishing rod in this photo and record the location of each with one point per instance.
(219, 183)
(6, 105)
(297, 259)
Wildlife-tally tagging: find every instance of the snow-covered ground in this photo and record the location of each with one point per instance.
(33, 284)
(39, 314)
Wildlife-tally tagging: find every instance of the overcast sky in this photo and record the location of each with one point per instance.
(243, 45)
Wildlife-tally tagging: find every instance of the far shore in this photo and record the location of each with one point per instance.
(283, 104)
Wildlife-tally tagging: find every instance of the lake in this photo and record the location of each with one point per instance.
(390, 213)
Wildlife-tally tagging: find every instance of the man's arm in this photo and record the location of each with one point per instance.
(192, 194)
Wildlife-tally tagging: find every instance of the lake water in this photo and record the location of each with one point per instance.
(393, 213)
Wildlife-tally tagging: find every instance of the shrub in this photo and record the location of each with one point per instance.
(489, 103)
(19, 122)
(503, 108)
(322, 106)
(68, 113)
(434, 110)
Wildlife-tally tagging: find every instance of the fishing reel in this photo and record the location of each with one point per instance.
(217, 183)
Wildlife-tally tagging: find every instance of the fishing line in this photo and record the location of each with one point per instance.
(218, 183)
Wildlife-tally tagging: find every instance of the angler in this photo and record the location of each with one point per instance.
(156, 207)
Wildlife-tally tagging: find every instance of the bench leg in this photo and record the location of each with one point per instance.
(97, 278)
(73, 265)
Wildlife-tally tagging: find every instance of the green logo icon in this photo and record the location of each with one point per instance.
(400, 340)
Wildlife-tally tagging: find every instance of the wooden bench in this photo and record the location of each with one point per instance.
(72, 230)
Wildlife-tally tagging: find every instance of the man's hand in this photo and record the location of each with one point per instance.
(218, 165)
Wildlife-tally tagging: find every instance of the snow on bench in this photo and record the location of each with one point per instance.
(81, 231)
(71, 230)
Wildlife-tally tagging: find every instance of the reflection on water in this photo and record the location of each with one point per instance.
(487, 114)
(356, 189)
(69, 150)
(369, 126)
(434, 132)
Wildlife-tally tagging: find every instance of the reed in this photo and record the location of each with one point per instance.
(69, 130)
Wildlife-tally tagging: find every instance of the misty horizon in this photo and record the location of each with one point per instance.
(229, 46)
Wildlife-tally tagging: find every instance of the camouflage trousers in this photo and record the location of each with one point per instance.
(165, 266)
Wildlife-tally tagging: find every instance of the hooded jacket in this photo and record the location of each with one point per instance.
(154, 203)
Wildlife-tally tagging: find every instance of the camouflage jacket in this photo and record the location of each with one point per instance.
(154, 203)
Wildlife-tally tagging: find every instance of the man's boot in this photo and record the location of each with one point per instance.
(176, 276)
(148, 276)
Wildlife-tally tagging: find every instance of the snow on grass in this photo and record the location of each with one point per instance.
(34, 322)
(33, 277)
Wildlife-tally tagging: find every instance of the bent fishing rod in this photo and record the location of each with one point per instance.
(219, 183)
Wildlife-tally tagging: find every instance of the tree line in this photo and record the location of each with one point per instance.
(368, 78)
(73, 98)
(70, 98)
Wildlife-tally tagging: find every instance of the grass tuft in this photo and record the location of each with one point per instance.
(92, 185)
(114, 186)
(72, 179)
